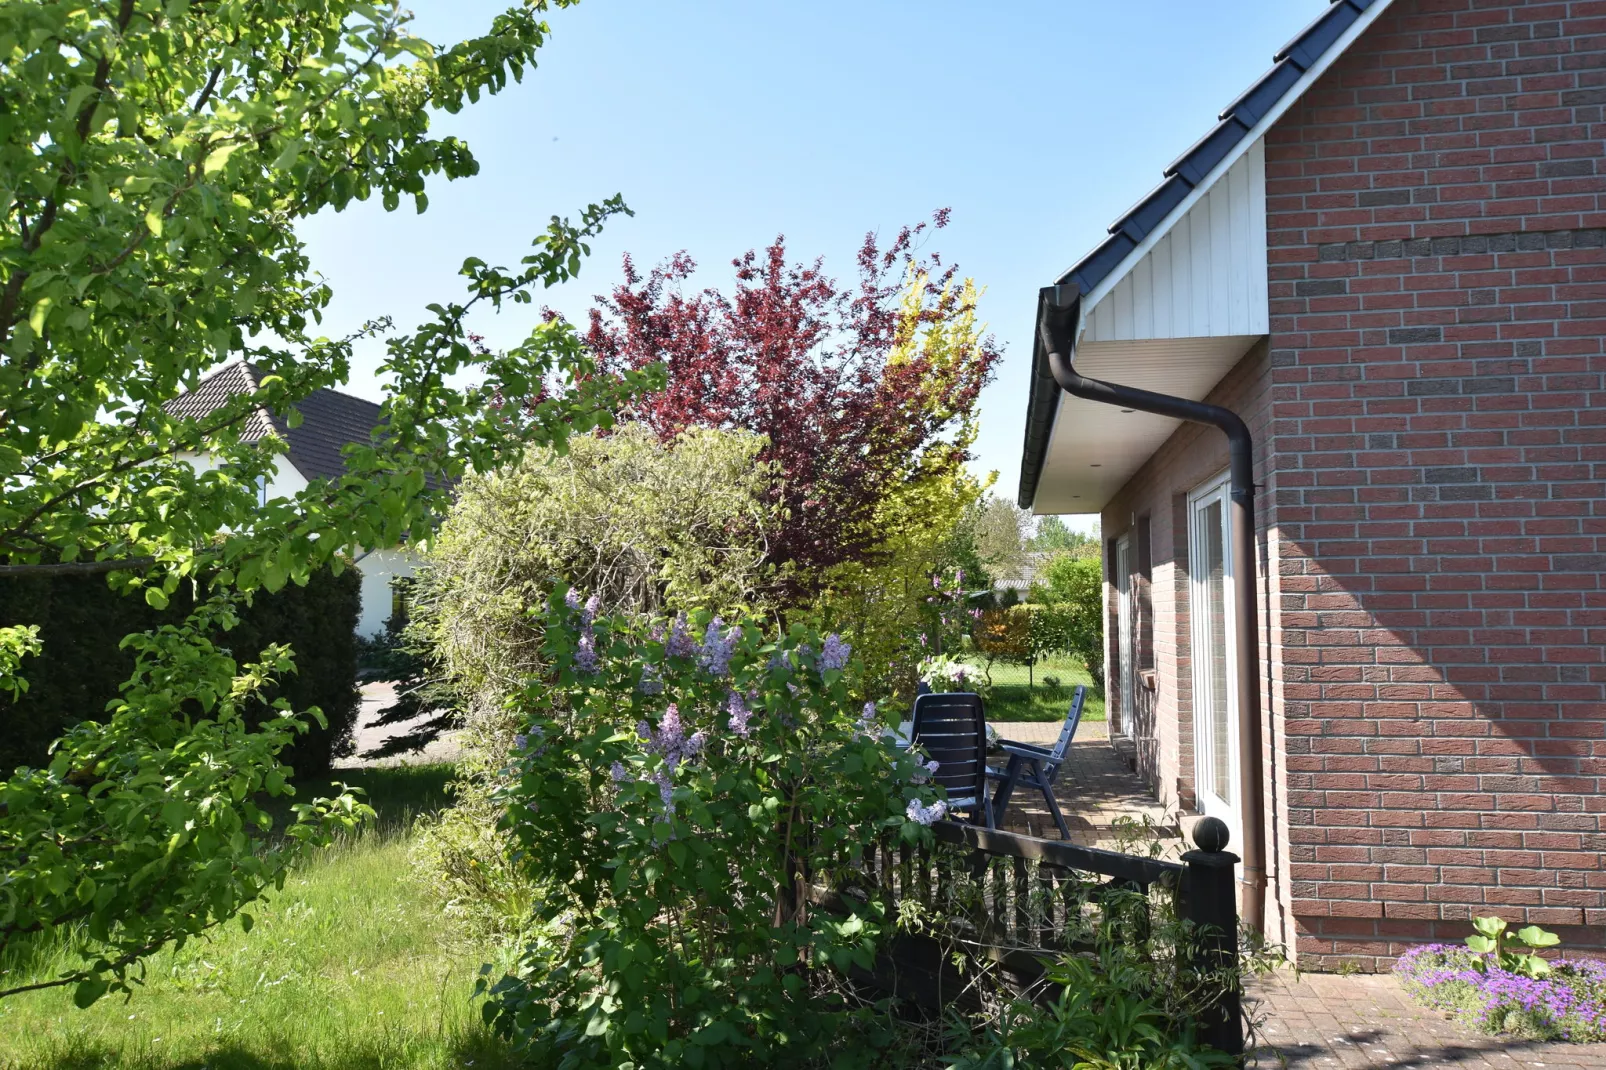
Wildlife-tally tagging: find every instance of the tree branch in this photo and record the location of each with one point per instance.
(75, 568)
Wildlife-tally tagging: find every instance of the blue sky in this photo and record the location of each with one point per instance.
(726, 122)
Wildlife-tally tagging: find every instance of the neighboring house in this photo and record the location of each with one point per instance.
(1021, 582)
(1388, 260)
(329, 421)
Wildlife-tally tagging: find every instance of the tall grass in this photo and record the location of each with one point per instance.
(350, 967)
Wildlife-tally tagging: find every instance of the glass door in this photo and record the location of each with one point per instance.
(1215, 689)
(1125, 674)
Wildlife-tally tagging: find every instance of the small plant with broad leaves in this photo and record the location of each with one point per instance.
(691, 800)
(1495, 939)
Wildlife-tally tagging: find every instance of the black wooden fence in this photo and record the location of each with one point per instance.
(1014, 901)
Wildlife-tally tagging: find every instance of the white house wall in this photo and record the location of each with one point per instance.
(1206, 277)
(286, 481)
(378, 568)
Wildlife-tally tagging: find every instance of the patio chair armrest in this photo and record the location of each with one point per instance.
(1025, 750)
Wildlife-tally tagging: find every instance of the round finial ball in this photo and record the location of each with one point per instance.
(1211, 834)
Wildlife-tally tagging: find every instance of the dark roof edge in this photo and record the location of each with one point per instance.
(1182, 177)
(1040, 409)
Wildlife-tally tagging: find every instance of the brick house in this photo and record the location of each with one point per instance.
(1388, 261)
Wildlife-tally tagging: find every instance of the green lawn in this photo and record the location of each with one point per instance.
(1013, 700)
(351, 967)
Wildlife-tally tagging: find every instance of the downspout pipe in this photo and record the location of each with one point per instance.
(1059, 315)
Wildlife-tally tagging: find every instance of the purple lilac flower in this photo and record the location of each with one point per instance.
(589, 613)
(925, 815)
(619, 773)
(666, 790)
(740, 714)
(585, 655)
(680, 642)
(869, 722)
(572, 599)
(834, 654)
(714, 657)
(651, 682)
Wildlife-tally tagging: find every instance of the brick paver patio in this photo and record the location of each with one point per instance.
(1320, 1021)
(1095, 788)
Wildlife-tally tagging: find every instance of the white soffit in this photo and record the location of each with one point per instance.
(1096, 448)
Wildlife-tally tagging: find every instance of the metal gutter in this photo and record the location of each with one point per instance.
(1059, 310)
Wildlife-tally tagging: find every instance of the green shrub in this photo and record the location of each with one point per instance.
(82, 622)
(1074, 588)
(675, 802)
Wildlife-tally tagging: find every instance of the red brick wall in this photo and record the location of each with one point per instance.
(1438, 297)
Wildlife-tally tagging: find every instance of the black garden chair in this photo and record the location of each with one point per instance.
(952, 729)
(1036, 767)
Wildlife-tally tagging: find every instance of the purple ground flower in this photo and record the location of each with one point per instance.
(1569, 1002)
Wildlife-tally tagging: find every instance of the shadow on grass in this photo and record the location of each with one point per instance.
(398, 793)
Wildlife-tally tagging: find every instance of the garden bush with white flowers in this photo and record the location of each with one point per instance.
(684, 793)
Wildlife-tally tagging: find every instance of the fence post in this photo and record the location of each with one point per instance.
(1209, 900)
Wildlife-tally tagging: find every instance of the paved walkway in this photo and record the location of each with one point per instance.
(1322, 1021)
(1096, 789)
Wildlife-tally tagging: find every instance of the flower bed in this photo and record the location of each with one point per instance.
(1567, 1003)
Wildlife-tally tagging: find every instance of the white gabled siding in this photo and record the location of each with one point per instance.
(1205, 278)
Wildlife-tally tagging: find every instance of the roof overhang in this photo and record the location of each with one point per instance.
(1094, 449)
(1078, 454)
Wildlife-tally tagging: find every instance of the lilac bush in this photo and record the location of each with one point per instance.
(680, 805)
(1568, 1003)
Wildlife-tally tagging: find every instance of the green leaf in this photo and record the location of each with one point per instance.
(36, 318)
(153, 222)
(246, 921)
(155, 598)
(1489, 926)
(1534, 936)
(88, 991)
(217, 158)
(1482, 945)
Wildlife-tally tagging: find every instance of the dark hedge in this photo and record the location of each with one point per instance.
(82, 620)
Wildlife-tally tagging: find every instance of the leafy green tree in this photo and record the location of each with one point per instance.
(1053, 536)
(155, 158)
(1074, 588)
(1001, 532)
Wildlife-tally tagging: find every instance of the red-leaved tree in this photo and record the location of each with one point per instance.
(826, 372)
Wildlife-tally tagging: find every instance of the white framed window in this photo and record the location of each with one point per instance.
(1214, 651)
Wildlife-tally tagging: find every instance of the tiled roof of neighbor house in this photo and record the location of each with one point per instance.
(329, 419)
(1181, 178)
